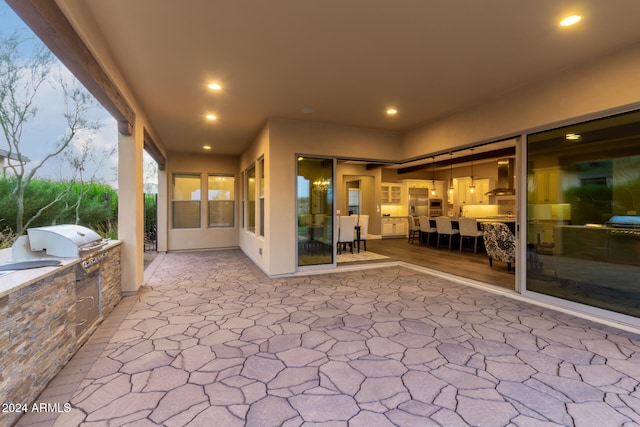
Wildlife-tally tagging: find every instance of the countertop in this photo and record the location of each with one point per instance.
(11, 281)
(498, 218)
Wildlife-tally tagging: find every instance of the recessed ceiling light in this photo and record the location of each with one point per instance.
(570, 20)
(211, 117)
(391, 111)
(573, 137)
(206, 147)
(215, 86)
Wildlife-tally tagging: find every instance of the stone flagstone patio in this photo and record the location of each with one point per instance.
(211, 341)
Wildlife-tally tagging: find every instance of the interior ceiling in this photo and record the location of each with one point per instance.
(345, 60)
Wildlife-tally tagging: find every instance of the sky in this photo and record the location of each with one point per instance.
(43, 133)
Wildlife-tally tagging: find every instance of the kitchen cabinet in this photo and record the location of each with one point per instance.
(482, 186)
(418, 184)
(547, 185)
(463, 194)
(429, 185)
(394, 227)
(391, 194)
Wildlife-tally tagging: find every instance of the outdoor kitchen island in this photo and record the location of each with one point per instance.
(41, 328)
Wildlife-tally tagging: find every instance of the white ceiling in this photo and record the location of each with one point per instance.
(347, 60)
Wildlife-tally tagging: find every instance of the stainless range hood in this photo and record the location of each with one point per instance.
(505, 185)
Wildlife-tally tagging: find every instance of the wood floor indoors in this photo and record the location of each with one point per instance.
(465, 263)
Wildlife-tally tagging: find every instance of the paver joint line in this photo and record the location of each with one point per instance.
(211, 339)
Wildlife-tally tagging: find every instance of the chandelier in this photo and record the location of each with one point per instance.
(321, 185)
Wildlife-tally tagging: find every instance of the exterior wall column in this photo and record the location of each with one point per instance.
(131, 209)
(163, 206)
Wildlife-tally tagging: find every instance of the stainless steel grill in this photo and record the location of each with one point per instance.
(623, 239)
(68, 241)
(624, 221)
(65, 241)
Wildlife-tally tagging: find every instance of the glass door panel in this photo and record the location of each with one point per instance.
(314, 195)
(583, 213)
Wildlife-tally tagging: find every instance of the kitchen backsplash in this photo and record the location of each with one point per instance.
(393, 210)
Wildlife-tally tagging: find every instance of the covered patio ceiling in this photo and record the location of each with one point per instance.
(331, 61)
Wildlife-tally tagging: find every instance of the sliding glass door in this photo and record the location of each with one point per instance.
(314, 193)
(583, 231)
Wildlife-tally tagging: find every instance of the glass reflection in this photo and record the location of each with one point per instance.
(315, 211)
(583, 231)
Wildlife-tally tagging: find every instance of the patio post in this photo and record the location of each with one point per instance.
(131, 208)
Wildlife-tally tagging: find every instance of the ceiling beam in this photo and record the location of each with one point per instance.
(151, 147)
(495, 154)
(371, 166)
(47, 21)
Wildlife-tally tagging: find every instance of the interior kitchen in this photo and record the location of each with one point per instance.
(582, 217)
(477, 182)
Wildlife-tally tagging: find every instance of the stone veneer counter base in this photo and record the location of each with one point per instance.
(38, 324)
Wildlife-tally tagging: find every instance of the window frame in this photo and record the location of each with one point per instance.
(175, 202)
(232, 199)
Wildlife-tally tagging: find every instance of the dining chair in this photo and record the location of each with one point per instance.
(469, 230)
(414, 228)
(445, 228)
(426, 227)
(363, 222)
(499, 242)
(346, 232)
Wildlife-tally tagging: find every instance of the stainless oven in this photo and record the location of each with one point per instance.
(435, 207)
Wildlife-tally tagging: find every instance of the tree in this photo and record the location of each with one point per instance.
(22, 77)
(79, 161)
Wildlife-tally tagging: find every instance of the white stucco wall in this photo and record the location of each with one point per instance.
(252, 244)
(605, 84)
(608, 85)
(280, 143)
(131, 209)
(370, 180)
(203, 237)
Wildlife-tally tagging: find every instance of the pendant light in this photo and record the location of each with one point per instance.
(433, 176)
(472, 188)
(450, 173)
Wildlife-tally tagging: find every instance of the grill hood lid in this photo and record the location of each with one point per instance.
(505, 179)
(65, 240)
(624, 221)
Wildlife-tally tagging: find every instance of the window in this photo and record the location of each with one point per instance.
(221, 198)
(262, 196)
(251, 198)
(186, 201)
(243, 191)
